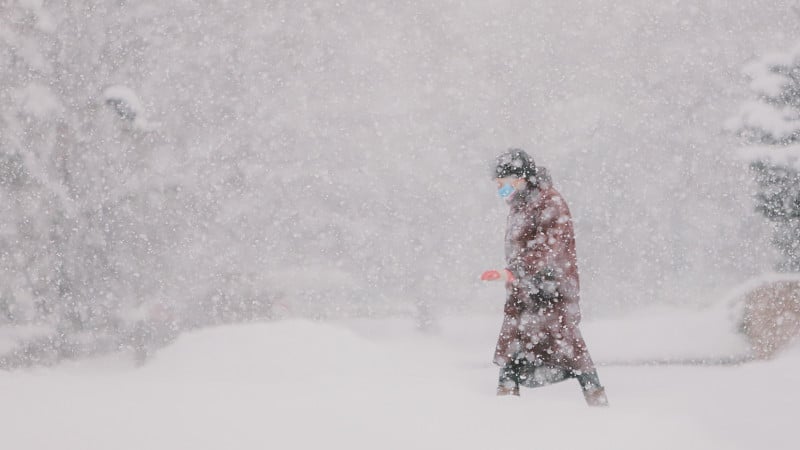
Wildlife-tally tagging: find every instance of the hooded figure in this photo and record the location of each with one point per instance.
(539, 341)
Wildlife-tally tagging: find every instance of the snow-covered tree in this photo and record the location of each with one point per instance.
(770, 123)
(82, 185)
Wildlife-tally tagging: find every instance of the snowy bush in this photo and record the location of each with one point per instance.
(771, 316)
(765, 311)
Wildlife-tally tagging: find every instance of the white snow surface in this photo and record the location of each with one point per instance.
(126, 95)
(132, 102)
(779, 122)
(380, 384)
(788, 155)
(38, 100)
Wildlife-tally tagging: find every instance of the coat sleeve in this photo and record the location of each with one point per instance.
(544, 254)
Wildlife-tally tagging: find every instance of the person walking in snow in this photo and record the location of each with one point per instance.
(539, 341)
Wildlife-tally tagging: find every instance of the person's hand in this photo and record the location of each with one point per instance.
(494, 275)
(490, 275)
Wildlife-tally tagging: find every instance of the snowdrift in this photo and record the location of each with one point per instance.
(380, 384)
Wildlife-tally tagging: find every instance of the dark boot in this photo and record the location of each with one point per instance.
(595, 397)
(506, 390)
(593, 391)
(508, 384)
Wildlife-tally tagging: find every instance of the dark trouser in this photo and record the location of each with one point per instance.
(521, 372)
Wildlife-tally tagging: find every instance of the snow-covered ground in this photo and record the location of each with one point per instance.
(380, 384)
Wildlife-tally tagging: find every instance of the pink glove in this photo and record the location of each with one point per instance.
(492, 275)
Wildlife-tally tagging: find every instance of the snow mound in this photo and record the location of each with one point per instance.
(294, 350)
(662, 335)
(379, 384)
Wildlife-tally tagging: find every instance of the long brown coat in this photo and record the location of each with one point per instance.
(542, 311)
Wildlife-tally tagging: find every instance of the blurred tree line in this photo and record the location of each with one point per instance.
(173, 166)
(170, 165)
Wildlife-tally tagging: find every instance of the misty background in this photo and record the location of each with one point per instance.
(203, 162)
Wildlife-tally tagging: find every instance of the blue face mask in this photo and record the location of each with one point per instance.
(506, 190)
